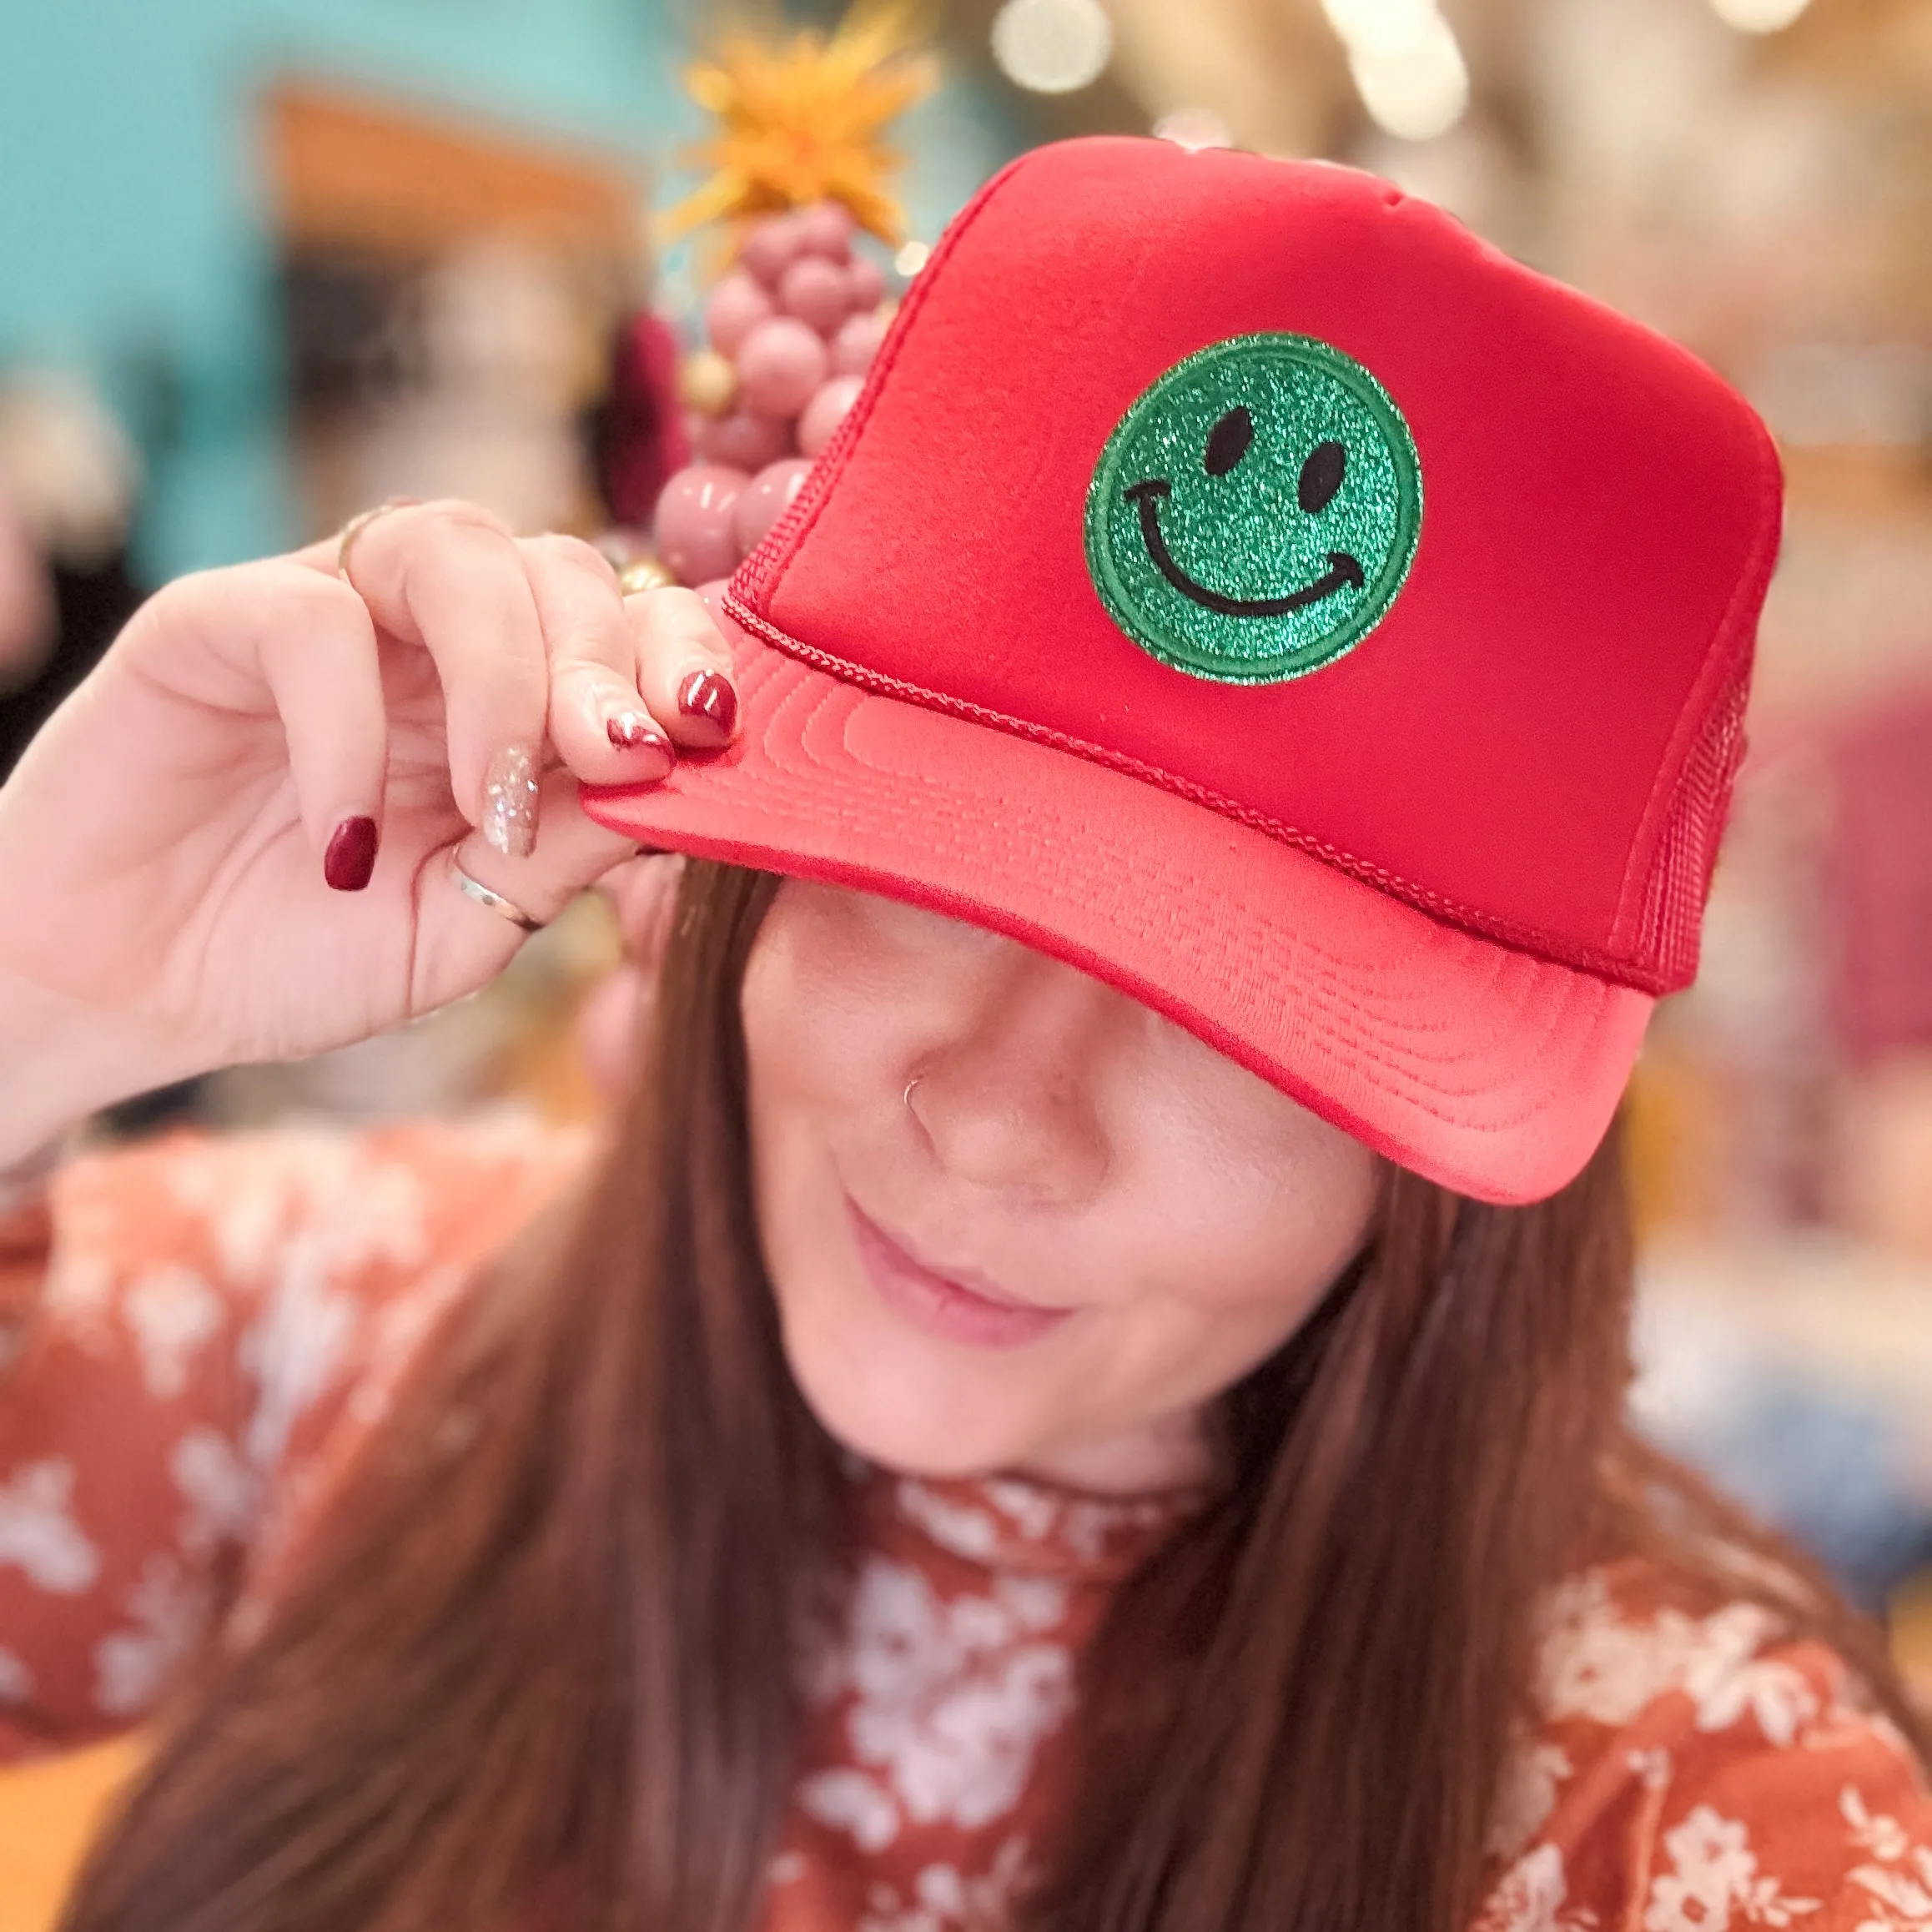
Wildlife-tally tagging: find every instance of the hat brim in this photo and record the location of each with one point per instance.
(1491, 1072)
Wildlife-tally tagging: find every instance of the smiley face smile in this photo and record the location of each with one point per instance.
(1343, 570)
(1254, 512)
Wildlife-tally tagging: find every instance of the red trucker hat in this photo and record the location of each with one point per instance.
(1240, 581)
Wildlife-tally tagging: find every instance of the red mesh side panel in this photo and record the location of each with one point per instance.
(1680, 874)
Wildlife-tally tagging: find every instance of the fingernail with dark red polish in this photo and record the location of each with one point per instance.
(706, 697)
(634, 730)
(648, 754)
(350, 859)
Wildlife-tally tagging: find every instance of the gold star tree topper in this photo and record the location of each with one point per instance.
(801, 121)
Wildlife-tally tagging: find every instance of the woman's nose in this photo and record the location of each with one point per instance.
(1010, 1102)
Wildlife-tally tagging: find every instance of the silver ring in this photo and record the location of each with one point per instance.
(504, 908)
(910, 1085)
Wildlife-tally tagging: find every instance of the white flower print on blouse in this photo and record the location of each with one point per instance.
(1898, 1885)
(38, 1531)
(78, 1292)
(1531, 1897)
(222, 1493)
(943, 1899)
(1528, 1795)
(170, 1614)
(172, 1313)
(1595, 1663)
(950, 1701)
(1715, 1876)
(306, 1226)
(953, 1525)
(1084, 1526)
(263, 1196)
(853, 1802)
(395, 1333)
(295, 1349)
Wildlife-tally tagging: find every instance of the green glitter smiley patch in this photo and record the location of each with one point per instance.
(1256, 512)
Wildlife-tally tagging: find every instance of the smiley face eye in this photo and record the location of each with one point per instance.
(1321, 477)
(1228, 441)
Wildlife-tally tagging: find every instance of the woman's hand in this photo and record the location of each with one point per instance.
(235, 841)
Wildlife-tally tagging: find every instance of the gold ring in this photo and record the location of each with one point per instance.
(359, 523)
(639, 574)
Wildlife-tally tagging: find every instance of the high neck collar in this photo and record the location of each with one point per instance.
(1024, 1525)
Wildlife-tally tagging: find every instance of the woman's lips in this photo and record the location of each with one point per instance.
(938, 1303)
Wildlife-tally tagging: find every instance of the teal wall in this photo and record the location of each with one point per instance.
(130, 222)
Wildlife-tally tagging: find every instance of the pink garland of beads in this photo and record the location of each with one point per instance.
(792, 328)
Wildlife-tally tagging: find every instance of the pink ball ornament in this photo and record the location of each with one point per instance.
(766, 498)
(780, 363)
(857, 343)
(770, 247)
(817, 292)
(735, 307)
(825, 229)
(826, 409)
(743, 441)
(865, 283)
(696, 537)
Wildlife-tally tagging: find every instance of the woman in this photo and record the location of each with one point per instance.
(1085, 1389)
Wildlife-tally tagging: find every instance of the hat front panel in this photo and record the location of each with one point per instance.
(1491, 747)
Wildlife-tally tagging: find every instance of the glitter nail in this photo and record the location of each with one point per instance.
(510, 802)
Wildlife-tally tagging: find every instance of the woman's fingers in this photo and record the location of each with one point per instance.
(319, 658)
(598, 719)
(684, 667)
(310, 638)
(576, 851)
(533, 645)
(633, 680)
(448, 577)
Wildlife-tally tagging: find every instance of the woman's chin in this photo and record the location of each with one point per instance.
(908, 1425)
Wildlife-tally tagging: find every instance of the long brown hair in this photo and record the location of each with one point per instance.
(533, 1669)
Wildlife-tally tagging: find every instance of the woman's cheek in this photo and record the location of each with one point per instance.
(810, 1040)
(1252, 1226)
(834, 1011)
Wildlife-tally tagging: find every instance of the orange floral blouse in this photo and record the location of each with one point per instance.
(195, 1322)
